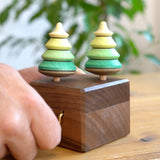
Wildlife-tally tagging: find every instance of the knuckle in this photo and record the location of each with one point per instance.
(32, 98)
(12, 126)
(31, 101)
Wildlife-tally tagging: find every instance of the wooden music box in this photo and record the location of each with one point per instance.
(93, 111)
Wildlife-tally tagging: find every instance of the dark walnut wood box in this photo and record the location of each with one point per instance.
(95, 112)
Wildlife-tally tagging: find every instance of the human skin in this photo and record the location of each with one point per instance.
(26, 121)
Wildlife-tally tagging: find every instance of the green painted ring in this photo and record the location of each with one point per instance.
(103, 64)
(57, 55)
(57, 66)
(103, 54)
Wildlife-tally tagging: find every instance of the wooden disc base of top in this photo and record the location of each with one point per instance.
(101, 71)
(57, 74)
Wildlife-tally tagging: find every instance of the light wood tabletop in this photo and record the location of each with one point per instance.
(143, 142)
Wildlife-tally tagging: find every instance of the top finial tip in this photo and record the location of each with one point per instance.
(103, 30)
(59, 32)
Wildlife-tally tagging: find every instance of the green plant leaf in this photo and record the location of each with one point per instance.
(91, 22)
(88, 7)
(114, 8)
(147, 34)
(4, 15)
(16, 42)
(78, 44)
(78, 61)
(5, 41)
(135, 6)
(53, 12)
(138, 5)
(134, 49)
(26, 5)
(135, 71)
(72, 29)
(73, 3)
(122, 47)
(121, 27)
(153, 58)
(37, 14)
(129, 13)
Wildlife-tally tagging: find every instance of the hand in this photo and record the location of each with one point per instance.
(32, 74)
(26, 121)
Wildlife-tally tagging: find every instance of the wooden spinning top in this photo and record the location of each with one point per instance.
(103, 58)
(57, 59)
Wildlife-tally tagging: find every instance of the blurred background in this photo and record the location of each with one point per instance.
(25, 24)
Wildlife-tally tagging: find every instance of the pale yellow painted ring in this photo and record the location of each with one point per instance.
(58, 43)
(103, 42)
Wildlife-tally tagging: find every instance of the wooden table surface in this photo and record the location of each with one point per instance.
(143, 142)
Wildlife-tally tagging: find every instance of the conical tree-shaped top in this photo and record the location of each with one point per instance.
(103, 37)
(103, 58)
(58, 39)
(57, 58)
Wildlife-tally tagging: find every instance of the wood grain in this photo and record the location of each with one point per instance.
(76, 87)
(95, 113)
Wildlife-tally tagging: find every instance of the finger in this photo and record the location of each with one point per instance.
(18, 137)
(79, 71)
(45, 126)
(3, 150)
(23, 146)
(31, 74)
